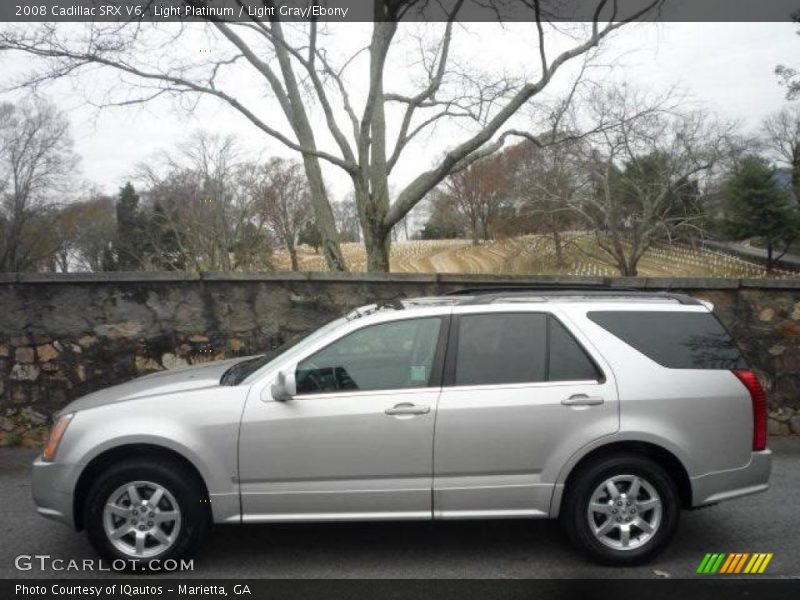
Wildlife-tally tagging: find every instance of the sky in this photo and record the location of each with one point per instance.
(726, 68)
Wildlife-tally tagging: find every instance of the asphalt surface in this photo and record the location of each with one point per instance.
(759, 254)
(489, 549)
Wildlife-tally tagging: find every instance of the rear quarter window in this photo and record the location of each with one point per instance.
(568, 361)
(677, 340)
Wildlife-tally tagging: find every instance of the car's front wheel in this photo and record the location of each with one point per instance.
(140, 511)
(621, 509)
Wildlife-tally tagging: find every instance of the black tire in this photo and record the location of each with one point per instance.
(575, 517)
(185, 490)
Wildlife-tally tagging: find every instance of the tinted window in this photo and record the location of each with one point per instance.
(392, 355)
(678, 340)
(501, 348)
(568, 361)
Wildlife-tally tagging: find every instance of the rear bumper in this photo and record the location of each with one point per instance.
(50, 495)
(726, 485)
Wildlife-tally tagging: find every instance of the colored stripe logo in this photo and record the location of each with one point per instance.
(734, 563)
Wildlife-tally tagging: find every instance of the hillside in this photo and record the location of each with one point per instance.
(535, 254)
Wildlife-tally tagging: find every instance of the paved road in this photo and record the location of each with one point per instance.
(491, 549)
(790, 261)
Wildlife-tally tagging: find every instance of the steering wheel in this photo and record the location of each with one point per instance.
(311, 370)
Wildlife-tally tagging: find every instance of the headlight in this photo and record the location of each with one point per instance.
(56, 434)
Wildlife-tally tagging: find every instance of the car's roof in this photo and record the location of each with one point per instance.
(585, 294)
(494, 297)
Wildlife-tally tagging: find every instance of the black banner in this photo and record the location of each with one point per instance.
(174, 589)
(409, 10)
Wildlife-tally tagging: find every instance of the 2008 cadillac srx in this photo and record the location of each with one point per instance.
(609, 410)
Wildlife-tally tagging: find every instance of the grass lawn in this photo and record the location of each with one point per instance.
(535, 255)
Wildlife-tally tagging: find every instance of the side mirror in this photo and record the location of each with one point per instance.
(284, 388)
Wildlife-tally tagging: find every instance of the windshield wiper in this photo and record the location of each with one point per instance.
(233, 375)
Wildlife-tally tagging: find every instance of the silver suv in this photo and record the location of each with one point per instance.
(609, 410)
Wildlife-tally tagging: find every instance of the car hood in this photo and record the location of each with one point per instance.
(156, 384)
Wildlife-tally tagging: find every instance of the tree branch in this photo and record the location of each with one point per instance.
(423, 183)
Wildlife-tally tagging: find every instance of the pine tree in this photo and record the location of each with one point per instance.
(757, 207)
(311, 236)
(131, 241)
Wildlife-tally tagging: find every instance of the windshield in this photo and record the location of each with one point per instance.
(242, 370)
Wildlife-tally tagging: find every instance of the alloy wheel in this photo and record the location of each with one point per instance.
(142, 519)
(624, 512)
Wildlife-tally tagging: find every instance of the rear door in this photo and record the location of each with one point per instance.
(521, 393)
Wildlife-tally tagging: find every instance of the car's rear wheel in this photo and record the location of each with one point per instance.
(140, 511)
(621, 509)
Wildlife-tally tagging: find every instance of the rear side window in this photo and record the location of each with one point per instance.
(503, 348)
(568, 361)
(677, 340)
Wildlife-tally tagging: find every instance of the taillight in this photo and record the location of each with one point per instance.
(759, 399)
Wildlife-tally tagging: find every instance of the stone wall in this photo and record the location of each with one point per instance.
(62, 336)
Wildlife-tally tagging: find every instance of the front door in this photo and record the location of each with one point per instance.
(520, 396)
(356, 442)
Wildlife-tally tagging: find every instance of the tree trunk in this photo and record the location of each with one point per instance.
(372, 183)
(62, 258)
(627, 266)
(295, 111)
(378, 245)
(323, 215)
(293, 256)
(770, 260)
(377, 238)
(559, 249)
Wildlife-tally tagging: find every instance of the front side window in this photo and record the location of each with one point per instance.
(385, 356)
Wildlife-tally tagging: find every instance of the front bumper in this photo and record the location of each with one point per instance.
(51, 492)
(726, 485)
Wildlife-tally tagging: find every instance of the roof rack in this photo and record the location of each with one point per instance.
(488, 294)
(536, 287)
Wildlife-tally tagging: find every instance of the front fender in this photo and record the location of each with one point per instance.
(201, 426)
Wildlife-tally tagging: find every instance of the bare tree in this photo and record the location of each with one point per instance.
(547, 181)
(345, 212)
(202, 217)
(789, 77)
(36, 160)
(281, 197)
(781, 135)
(305, 78)
(645, 173)
(401, 231)
(478, 193)
(86, 231)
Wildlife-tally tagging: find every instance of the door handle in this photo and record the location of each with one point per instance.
(407, 408)
(582, 400)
